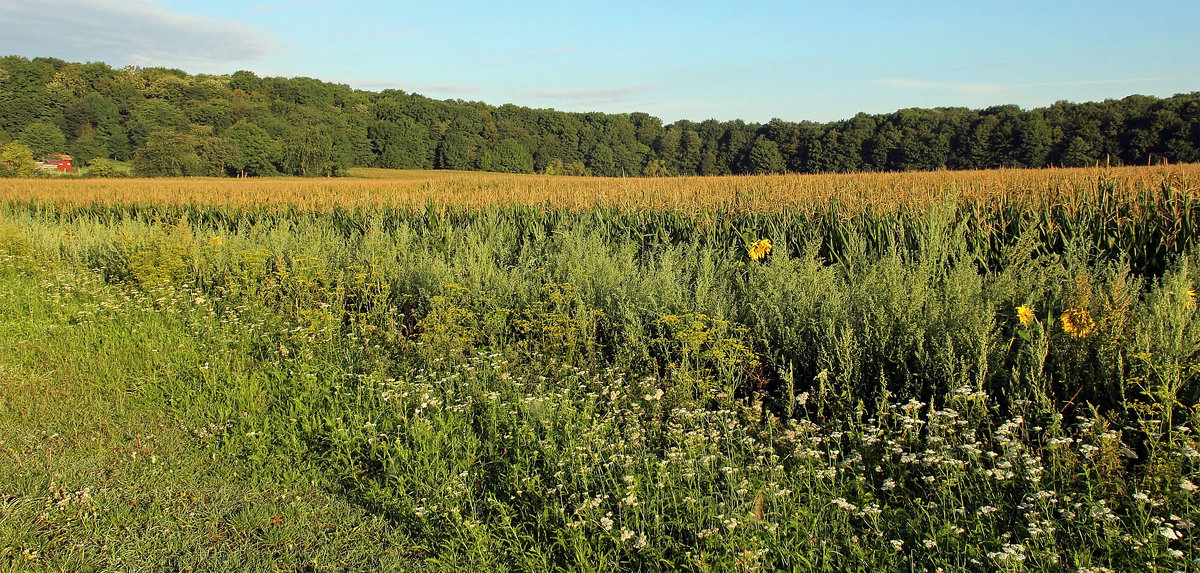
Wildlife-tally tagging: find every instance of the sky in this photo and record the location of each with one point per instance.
(750, 60)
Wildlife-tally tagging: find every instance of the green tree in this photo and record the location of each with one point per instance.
(512, 157)
(101, 167)
(1033, 141)
(85, 149)
(42, 138)
(765, 157)
(708, 163)
(733, 147)
(1079, 153)
(351, 140)
(245, 81)
(94, 122)
(819, 158)
(600, 160)
(309, 153)
(667, 148)
(218, 156)
(575, 169)
(690, 151)
(103, 112)
(23, 95)
(16, 160)
(881, 150)
(402, 144)
(648, 128)
(655, 168)
(167, 154)
(214, 113)
(455, 152)
(923, 144)
(979, 147)
(154, 115)
(1181, 141)
(257, 152)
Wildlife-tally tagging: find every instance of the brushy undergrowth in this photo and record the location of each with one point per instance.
(515, 389)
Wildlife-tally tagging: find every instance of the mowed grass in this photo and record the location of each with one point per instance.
(479, 372)
(99, 474)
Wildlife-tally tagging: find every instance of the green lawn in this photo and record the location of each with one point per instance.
(100, 474)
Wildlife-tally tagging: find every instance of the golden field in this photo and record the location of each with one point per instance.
(378, 187)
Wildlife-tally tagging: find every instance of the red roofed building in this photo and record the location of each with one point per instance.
(61, 162)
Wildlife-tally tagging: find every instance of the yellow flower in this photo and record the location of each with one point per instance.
(760, 249)
(1025, 314)
(1078, 323)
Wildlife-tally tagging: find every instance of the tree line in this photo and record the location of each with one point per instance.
(168, 122)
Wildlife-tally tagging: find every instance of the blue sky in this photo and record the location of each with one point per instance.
(695, 60)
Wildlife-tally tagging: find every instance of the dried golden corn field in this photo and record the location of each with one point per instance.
(380, 187)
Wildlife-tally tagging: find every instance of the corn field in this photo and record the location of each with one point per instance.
(900, 372)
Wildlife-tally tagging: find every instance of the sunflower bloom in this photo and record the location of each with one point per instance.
(759, 250)
(1025, 314)
(1078, 323)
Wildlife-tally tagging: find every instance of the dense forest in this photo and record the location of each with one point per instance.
(167, 122)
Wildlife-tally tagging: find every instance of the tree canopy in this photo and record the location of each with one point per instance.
(16, 160)
(173, 123)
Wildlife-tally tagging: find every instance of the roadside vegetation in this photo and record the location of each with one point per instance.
(886, 373)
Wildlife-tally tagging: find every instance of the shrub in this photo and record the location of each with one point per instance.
(16, 160)
(101, 167)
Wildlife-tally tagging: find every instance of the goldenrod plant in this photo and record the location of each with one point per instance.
(476, 372)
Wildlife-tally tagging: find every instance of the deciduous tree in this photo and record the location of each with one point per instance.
(43, 138)
(16, 160)
(765, 157)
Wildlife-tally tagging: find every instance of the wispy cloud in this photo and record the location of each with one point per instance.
(588, 96)
(135, 31)
(287, 7)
